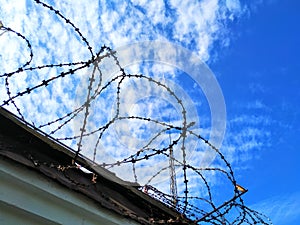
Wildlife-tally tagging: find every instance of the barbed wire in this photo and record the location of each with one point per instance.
(198, 206)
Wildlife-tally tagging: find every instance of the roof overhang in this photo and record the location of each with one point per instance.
(22, 144)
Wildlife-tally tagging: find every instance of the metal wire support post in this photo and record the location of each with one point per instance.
(173, 184)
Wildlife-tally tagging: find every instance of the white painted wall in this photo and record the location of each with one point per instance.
(29, 198)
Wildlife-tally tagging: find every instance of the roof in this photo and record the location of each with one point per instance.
(24, 144)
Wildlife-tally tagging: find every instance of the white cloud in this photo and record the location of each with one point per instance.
(193, 24)
(282, 209)
(234, 6)
(247, 134)
(190, 23)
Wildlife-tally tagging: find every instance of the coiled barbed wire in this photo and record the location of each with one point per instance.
(200, 207)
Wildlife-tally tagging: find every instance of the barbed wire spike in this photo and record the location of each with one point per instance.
(197, 206)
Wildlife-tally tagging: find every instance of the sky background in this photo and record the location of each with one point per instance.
(259, 76)
(252, 48)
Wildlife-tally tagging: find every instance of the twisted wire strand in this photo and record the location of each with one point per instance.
(187, 204)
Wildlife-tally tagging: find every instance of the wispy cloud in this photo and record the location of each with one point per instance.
(248, 133)
(196, 25)
(193, 24)
(282, 209)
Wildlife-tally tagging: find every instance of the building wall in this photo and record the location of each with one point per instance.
(27, 197)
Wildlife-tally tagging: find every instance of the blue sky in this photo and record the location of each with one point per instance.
(251, 48)
(261, 67)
